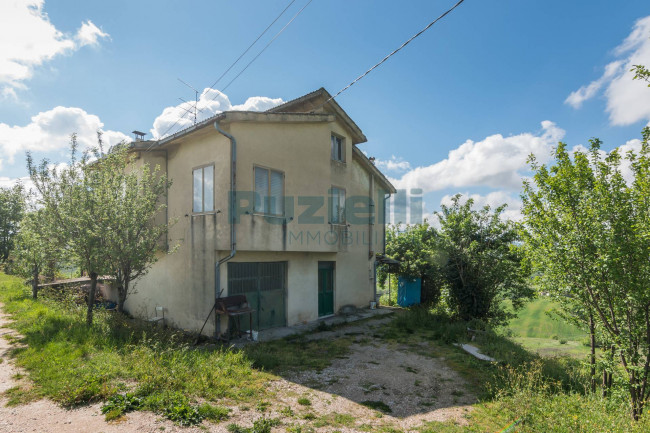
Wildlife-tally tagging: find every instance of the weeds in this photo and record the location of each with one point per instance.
(377, 405)
(262, 425)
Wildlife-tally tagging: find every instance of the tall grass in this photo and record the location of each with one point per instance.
(75, 364)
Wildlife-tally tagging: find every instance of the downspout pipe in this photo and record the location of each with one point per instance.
(231, 215)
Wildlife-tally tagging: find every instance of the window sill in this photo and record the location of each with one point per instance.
(268, 215)
(204, 213)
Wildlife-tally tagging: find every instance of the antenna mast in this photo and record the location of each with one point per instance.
(196, 98)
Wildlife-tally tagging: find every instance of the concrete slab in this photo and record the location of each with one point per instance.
(475, 352)
(356, 315)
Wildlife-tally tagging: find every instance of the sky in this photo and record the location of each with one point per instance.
(458, 110)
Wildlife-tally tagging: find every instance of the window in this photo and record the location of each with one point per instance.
(338, 148)
(203, 197)
(269, 191)
(337, 205)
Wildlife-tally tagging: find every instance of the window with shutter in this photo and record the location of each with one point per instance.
(269, 191)
(338, 148)
(337, 205)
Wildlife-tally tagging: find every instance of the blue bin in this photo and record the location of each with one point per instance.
(408, 291)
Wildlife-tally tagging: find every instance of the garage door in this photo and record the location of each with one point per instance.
(264, 284)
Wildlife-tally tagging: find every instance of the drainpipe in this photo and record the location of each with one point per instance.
(231, 216)
(371, 217)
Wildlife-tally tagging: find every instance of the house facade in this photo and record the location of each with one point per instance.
(280, 206)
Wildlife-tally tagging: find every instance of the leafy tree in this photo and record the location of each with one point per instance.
(71, 198)
(35, 248)
(12, 208)
(414, 246)
(484, 263)
(132, 200)
(587, 237)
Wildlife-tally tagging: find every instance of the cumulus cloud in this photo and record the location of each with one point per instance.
(394, 164)
(28, 39)
(50, 131)
(496, 161)
(628, 100)
(211, 102)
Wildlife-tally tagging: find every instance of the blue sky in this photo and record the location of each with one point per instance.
(478, 84)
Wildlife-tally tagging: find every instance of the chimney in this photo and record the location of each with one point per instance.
(139, 136)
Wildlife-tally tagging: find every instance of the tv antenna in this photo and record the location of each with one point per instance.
(196, 100)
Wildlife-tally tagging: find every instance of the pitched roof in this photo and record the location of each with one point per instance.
(320, 100)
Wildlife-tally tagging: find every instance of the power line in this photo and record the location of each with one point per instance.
(391, 54)
(251, 45)
(263, 49)
(245, 51)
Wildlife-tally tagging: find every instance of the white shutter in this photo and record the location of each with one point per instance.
(261, 189)
(277, 190)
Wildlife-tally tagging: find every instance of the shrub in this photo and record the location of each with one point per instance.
(119, 404)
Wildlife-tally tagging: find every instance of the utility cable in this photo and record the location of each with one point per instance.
(391, 54)
(249, 63)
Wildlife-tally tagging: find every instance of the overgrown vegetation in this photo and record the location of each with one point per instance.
(132, 365)
(542, 393)
(472, 263)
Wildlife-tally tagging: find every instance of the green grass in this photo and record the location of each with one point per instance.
(536, 320)
(538, 329)
(74, 364)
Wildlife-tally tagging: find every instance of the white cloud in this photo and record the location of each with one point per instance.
(89, 34)
(28, 39)
(211, 102)
(576, 98)
(394, 164)
(50, 131)
(628, 100)
(496, 161)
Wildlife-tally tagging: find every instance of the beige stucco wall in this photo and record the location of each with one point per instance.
(183, 282)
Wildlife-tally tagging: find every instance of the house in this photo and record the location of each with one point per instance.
(307, 213)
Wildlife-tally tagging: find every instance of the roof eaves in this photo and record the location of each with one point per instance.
(373, 169)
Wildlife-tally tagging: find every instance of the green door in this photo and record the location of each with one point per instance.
(325, 288)
(264, 284)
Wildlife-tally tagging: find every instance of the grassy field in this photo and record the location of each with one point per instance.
(536, 320)
(538, 329)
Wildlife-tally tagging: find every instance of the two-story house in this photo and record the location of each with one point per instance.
(279, 205)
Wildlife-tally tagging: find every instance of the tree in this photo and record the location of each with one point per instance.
(483, 261)
(641, 73)
(415, 248)
(587, 232)
(34, 248)
(72, 203)
(12, 207)
(132, 200)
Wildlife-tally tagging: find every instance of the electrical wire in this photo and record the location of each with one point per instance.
(249, 63)
(391, 54)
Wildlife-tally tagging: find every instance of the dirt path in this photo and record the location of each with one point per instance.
(416, 388)
(46, 416)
